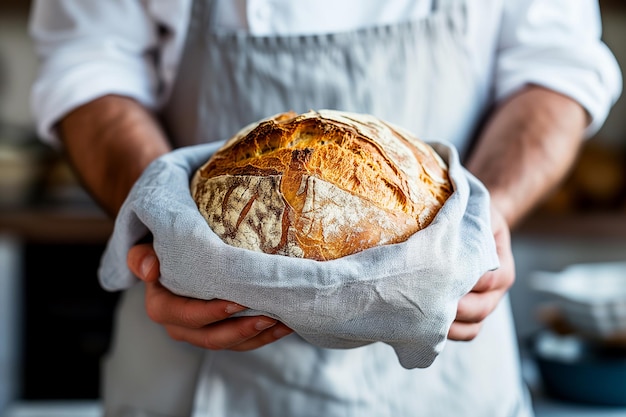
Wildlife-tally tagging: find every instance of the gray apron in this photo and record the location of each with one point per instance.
(415, 74)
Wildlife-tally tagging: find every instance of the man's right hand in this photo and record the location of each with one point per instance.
(204, 323)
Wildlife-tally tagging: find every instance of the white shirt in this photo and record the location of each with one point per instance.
(89, 48)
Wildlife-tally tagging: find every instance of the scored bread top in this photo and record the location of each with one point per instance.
(320, 185)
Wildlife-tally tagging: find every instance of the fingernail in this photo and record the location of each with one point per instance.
(234, 308)
(281, 332)
(147, 263)
(264, 324)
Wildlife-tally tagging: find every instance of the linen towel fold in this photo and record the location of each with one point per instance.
(404, 294)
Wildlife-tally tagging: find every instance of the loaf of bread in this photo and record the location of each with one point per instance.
(320, 185)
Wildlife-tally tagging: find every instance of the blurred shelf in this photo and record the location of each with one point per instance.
(590, 225)
(15, 6)
(66, 223)
(613, 5)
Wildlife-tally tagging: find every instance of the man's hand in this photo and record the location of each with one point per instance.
(525, 149)
(475, 306)
(206, 324)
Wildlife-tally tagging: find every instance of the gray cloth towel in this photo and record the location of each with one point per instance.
(404, 294)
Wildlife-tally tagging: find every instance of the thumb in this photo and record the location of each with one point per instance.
(143, 262)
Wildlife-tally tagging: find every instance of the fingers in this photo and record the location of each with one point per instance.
(464, 332)
(472, 310)
(474, 307)
(143, 262)
(204, 323)
(209, 324)
(484, 298)
(268, 336)
(237, 334)
(167, 308)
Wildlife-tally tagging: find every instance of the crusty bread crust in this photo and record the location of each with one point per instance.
(320, 185)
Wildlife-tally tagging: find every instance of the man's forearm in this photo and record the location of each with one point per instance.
(109, 142)
(526, 149)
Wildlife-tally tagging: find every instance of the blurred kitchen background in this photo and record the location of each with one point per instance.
(55, 321)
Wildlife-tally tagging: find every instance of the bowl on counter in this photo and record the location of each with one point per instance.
(575, 369)
(590, 297)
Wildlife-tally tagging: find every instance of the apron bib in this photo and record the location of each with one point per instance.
(416, 74)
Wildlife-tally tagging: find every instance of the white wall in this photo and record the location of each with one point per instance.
(18, 68)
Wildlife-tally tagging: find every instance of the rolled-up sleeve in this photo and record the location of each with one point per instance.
(557, 44)
(87, 49)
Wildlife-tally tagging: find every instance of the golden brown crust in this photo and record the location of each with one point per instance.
(320, 185)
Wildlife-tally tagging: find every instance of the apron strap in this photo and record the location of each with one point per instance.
(209, 9)
(441, 4)
(201, 399)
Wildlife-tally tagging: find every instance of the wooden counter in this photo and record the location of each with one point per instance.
(591, 225)
(57, 224)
